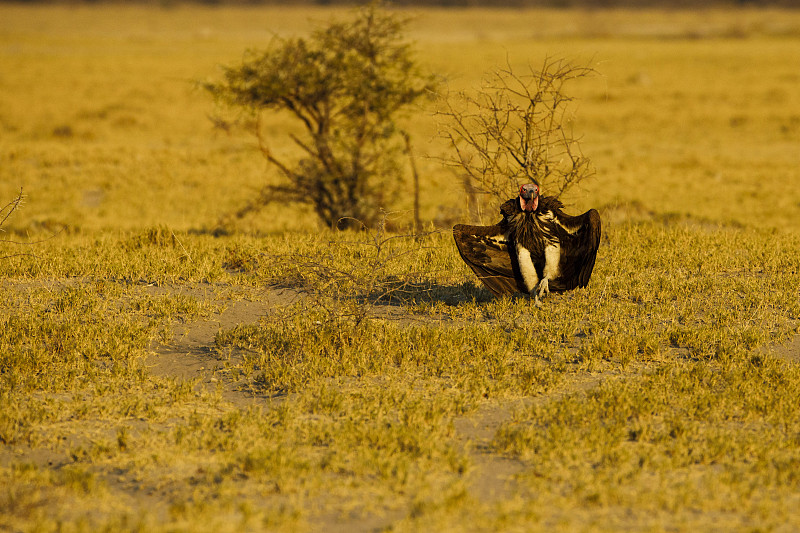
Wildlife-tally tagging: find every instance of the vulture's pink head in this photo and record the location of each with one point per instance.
(529, 197)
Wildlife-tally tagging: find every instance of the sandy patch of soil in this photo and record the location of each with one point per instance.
(192, 352)
(789, 350)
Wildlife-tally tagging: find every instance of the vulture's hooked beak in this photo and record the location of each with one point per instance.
(529, 197)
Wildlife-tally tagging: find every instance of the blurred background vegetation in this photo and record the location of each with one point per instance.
(692, 113)
(459, 3)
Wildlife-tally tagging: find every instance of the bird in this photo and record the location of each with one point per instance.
(535, 249)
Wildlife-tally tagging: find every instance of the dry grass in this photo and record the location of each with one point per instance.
(649, 401)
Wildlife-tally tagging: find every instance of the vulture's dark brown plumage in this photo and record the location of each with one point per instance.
(536, 248)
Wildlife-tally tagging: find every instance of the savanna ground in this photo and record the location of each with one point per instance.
(166, 366)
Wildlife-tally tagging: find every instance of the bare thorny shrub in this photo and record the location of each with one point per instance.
(515, 129)
(331, 328)
(351, 276)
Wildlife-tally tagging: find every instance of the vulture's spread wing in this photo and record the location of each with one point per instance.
(580, 249)
(486, 251)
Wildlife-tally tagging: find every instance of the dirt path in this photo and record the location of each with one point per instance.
(192, 354)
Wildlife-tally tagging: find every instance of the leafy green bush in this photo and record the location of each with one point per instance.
(345, 85)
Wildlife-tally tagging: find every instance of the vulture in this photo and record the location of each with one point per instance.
(536, 248)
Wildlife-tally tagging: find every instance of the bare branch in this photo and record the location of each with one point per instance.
(10, 207)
